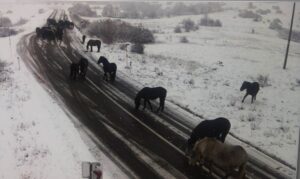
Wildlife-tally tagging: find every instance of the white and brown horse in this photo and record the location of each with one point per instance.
(227, 157)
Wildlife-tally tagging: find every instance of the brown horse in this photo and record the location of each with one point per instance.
(227, 157)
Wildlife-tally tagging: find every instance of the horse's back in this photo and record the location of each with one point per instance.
(221, 123)
(223, 154)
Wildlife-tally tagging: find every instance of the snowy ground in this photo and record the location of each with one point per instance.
(38, 138)
(205, 74)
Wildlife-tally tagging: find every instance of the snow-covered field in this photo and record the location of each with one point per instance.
(38, 138)
(205, 74)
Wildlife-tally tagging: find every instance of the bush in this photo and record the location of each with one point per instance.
(21, 22)
(263, 80)
(5, 32)
(184, 40)
(138, 48)
(250, 14)
(284, 34)
(206, 21)
(83, 10)
(263, 12)
(188, 25)
(111, 31)
(5, 22)
(177, 29)
(275, 24)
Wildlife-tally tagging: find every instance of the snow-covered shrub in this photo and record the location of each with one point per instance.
(177, 29)
(5, 32)
(297, 82)
(137, 48)
(284, 34)
(250, 117)
(158, 72)
(263, 12)
(41, 11)
(3, 71)
(189, 25)
(263, 80)
(206, 21)
(118, 31)
(83, 10)
(21, 21)
(184, 40)
(250, 14)
(275, 24)
(5, 22)
(277, 8)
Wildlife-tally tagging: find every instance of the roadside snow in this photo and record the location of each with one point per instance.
(38, 138)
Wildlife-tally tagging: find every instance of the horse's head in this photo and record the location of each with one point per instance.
(102, 60)
(244, 85)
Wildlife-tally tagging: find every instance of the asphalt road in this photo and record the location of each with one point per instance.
(143, 144)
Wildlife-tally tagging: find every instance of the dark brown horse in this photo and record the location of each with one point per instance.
(92, 43)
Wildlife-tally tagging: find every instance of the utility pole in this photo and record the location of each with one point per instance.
(289, 39)
(298, 162)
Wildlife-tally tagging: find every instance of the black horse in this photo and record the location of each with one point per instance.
(149, 94)
(38, 32)
(46, 33)
(110, 68)
(59, 33)
(74, 70)
(92, 43)
(83, 64)
(217, 128)
(251, 88)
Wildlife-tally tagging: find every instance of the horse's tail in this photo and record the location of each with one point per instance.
(242, 173)
(113, 74)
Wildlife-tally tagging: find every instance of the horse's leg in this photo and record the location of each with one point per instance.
(91, 48)
(105, 76)
(98, 48)
(162, 104)
(244, 97)
(150, 104)
(145, 101)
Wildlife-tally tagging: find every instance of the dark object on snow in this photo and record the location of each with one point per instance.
(83, 63)
(83, 39)
(217, 128)
(92, 43)
(110, 68)
(74, 70)
(251, 88)
(149, 94)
